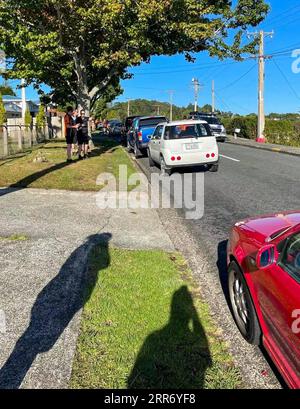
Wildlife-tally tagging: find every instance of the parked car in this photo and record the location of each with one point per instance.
(264, 287)
(217, 128)
(138, 136)
(129, 121)
(183, 143)
(127, 127)
(115, 127)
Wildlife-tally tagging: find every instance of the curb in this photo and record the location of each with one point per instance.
(265, 148)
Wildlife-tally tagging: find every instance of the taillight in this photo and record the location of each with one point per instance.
(173, 158)
(178, 157)
(213, 155)
(208, 155)
(140, 136)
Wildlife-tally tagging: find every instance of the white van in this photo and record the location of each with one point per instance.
(183, 143)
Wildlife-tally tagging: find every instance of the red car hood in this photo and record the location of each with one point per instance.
(268, 225)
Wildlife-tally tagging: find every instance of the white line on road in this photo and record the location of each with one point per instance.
(228, 157)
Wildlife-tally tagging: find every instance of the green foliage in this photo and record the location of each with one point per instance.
(2, 112)
(40, 118)
(28, 118)
(247, 125)
(145, 107)
(7, 90)
(283, 132)
(80, 47)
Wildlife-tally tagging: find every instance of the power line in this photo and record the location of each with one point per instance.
(240, 78)
(286, 79)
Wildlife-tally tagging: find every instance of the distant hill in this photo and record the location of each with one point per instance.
(148, 107)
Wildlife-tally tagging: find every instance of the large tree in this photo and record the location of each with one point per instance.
(78, 47)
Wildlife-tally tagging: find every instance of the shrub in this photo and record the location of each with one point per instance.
(247, 125)
(283, 132)
(28, 118)
(2, 112)
(40, 118)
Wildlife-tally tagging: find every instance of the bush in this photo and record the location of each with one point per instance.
(2, 112)
(28, 118)
(280, 132)
(247, 125)
(40, 118)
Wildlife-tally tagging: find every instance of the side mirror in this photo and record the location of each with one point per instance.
(266, 256)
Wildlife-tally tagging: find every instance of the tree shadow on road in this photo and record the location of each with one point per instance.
(176, 356)
(54, 308)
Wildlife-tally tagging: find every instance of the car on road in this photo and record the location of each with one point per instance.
(217, 128)
(183, 143)
(115, 127)
(127, 127)
(263, 259)
(138, 136)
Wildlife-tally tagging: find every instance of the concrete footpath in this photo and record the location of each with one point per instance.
(41, 278)
(290, 150)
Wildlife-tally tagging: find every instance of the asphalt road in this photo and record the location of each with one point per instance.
(249, 182)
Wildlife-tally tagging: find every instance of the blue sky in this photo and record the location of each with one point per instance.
(235, 83)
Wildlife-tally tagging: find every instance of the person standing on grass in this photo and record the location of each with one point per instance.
(82, 134)
(70, 131)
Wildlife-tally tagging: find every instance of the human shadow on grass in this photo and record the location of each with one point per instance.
(54, 308)
(176, 356)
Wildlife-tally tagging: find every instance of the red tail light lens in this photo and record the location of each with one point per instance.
(173, 158)
(208, 155)
(213, 155)
(178, 157)
(140, 136)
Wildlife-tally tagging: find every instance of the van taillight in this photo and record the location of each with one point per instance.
(140, 136)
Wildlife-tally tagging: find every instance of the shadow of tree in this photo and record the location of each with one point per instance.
(177, 355)
(53, 310)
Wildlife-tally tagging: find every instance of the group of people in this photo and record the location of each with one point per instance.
(77, 133)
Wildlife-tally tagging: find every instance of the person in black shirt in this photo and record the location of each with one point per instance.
(82, 134)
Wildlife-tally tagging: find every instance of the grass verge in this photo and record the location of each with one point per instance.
(56, 173)
(144, 325)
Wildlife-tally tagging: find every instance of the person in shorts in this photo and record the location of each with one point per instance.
(70, 130)
(82, 135)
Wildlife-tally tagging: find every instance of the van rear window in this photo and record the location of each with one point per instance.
(187, 131)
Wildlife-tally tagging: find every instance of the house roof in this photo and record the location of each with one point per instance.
(11, 107)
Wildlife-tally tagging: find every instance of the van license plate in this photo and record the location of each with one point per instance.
(191, 146)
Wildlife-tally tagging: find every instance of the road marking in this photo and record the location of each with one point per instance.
(228, 157)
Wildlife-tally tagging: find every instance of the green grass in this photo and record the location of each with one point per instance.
(21, 171)
(144, 325)
(14, 237)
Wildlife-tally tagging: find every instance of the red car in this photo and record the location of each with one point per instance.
(263, 259)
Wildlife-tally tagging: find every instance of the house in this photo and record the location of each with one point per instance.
(13, 106)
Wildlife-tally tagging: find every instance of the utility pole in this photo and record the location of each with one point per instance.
(261, 84)
(171, 93)
(157, 109)
(196, 85)
(24, 106)
(128, 106)
(213, 96)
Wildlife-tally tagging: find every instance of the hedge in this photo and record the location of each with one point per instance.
(280, 132)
